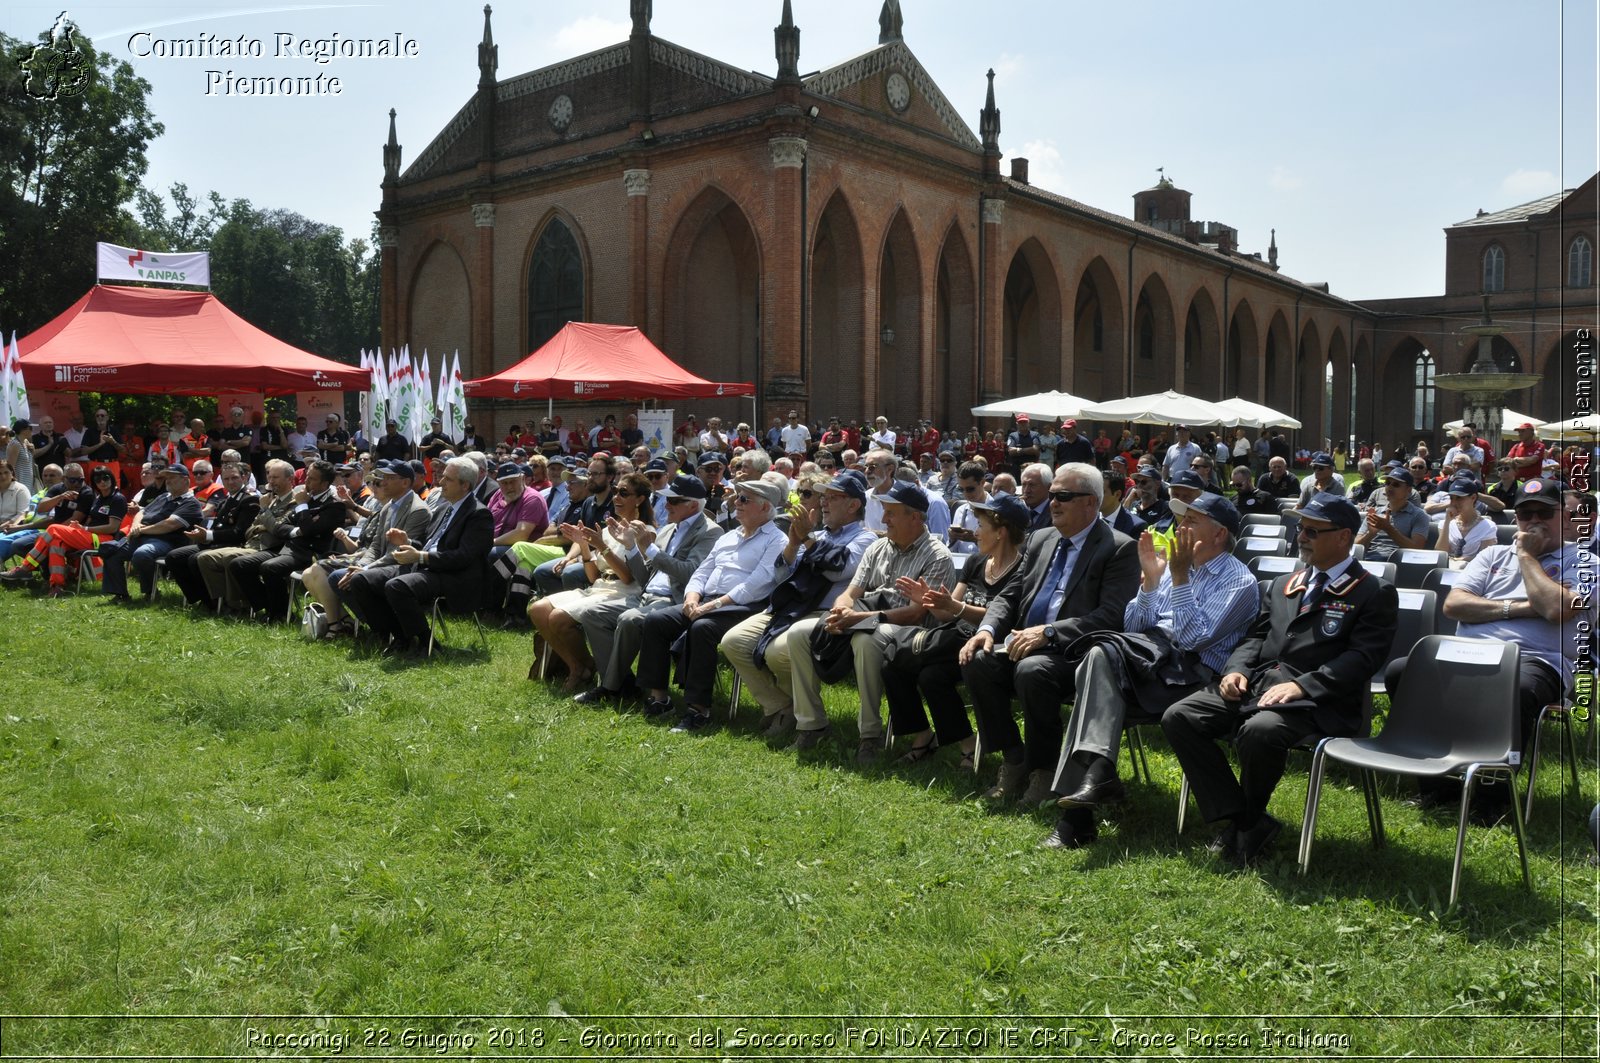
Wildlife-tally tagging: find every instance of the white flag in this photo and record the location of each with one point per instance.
(20, 410)
(5, 383)
(458, 400)
(441, 401)
(425, 413)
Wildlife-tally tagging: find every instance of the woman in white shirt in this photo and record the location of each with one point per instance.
(14, 497)
(1467, 531)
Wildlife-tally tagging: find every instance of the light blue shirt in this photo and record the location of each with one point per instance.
(740, 566)
(1208, 615)
(856, 537)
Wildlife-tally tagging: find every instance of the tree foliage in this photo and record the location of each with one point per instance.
(69, 166)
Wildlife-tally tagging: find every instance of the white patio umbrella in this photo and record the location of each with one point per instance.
(1165, 407)
(1054, 404)
(1254, 415)
(1586, 425)
(1509, 420)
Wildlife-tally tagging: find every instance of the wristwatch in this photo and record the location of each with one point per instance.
(1050, 634)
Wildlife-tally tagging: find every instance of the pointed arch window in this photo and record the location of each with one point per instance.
(555, 283)
(1580, 263)
(1494, 269)
(1423, 394)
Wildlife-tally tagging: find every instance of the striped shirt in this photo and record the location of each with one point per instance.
(1209, 615)
(884, 562)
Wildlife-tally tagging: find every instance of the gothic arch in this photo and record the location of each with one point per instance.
(439, 304)
(1241, 374)
(835, 370)
(1341, 426)
(1202, 349)
(712, 319)
(1155, 339)
(1097, 329)
(1277, 367)
(1312, 363)
(955, 313)
(1031, 338)
(899, 361)
(555, 272)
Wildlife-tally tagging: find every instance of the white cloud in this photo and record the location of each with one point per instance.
(1284, 180)
(1530, 184)
(1045, 169)
(1008, 66)
(590, 33)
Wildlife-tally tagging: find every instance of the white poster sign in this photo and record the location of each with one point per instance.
(657, 428)
(160, 267)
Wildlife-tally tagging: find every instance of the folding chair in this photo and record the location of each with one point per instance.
(1265, 531)
(1439, 581)
(1384, 570)
(1245, 549)
(1270, 567)
(438, 626)
(1413, 566)
(1414, 622)
(1454, 713)
(1561, 712)
(1505, 534)
(1261, 520)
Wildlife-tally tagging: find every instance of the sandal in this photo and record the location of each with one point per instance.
(920, 751)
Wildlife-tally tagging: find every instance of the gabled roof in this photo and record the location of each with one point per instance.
(606, 361)
(1521, 212)
(895, 56)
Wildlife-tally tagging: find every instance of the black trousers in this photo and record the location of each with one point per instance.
(1261, 740)
(909, 681)
(1043, 683)
(182, 567)
(396, 605)
(699, 673)
(263, 577)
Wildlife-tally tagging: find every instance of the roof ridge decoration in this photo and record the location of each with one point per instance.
(441, 143)
(895, 54)
(564, 73)
(712, 71)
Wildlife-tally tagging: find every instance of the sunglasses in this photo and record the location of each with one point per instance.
(1068, 496)
(742, 500)
(808, 494)
(74, 479)
(1545, 513)
(1310, 534)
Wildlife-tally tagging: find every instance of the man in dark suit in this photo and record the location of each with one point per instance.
(1077, 576)
(230, 527)
(450, 564)
(1321, 634)
(306, 533)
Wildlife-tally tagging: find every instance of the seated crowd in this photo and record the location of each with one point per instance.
(1094, 597)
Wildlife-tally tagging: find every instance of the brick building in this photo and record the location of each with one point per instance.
(846, 240)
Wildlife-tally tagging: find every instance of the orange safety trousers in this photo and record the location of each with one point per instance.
(50, 551)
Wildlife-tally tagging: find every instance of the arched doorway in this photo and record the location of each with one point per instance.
(899, 395)
(1154, 339)
(956, 310)
(1202, 355)
(834, 374)
(1240, 378)
(1031, 343)
(440, 307)
(712, 324)
(1097, 328)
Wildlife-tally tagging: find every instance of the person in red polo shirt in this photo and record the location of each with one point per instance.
(1527, 453)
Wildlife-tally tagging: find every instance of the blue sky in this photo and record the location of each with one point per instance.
(1358, 131)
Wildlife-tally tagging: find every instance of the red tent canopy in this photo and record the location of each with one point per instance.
(155, 341)
(585, 361)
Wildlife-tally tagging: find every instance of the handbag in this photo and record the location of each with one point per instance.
(313, 622)
(905, 644)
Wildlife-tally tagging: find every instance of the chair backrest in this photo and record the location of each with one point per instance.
(1245, 549)
(1264, 531)
(1411, 566)
(1505, 534)
(1272, 566)
(1260, 519)
(1384, 570)
(1439, 581)
(1414, 622)
(1263, 588)
(1457, 698)
(1359, 551)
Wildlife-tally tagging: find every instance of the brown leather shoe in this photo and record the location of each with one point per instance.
(1039, 792)
(1013, 777)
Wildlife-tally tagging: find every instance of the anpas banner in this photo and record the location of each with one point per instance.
(159, 267)
(657, 428)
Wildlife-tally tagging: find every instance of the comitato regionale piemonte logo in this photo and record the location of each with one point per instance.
(59, 67)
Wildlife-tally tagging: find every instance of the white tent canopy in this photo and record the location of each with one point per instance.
(1254, 415)
(1587, 425)
(1509, 420)
(1049, 404)
(1165, 407)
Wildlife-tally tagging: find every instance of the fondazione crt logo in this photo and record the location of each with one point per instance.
(59, 67)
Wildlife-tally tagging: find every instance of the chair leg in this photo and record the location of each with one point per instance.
(1136, 754)
(1469, 782)
(1183, 801)
(1533, 760)
(1369, 792)
(734, 689)
(1308, 821)
(1520, 828)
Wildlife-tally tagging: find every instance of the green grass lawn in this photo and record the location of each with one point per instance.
(206, 817)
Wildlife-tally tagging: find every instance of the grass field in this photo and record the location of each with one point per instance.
(205, 817)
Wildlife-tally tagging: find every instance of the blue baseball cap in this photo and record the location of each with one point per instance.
(1400, 474)
(685, 487)
(850, 483)
(1215, 506)
(713, 458)
(1464, 486)
(906, 494)
(1007, 509)
(509, 469)
(655, 465)
(1340, 512)
(1188, 478)
(1322, 458)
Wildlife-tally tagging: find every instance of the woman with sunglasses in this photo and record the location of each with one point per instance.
(933, 676)
(602, 553)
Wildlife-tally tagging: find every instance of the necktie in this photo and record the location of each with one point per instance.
(1039, 611)
(1314, 591)
(440, 523)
